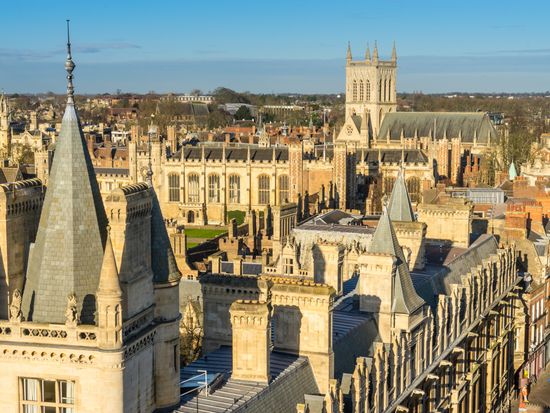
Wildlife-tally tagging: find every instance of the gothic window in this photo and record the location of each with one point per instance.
(413, 187)
(379, 90)
(214, 188)
(367, 90)
(283, 189)
(46, 395)
(361, 91)
(263, 189)
(234, 189)
(193, 188)
(354, 93)
(389, 90)
(388, 185)
(173, 187)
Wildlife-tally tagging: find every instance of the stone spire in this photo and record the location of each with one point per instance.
(67, 255)
(399, 206)
(348, 54)
(108, 278)
(367, 53)
(375, 53)
(405, 300)
(394, 54)
(512, 172)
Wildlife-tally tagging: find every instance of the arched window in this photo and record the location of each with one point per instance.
(385, 90)
(283, 189)
(379, 90)
(389, 90)
(367, 91)
(214, 188)
(388, 185)
(234, 189)
(413, 187)
(361, 91)
(263, 189)
(173, 187)
(354, 93)
(193, 188)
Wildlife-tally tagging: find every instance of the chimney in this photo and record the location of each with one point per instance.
(251, 323)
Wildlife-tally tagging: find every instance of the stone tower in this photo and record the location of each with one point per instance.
(370, 86)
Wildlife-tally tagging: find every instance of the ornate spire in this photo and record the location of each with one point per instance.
(348, 55)
(367, 53)
(375, 53)
(69, 67)
(393, 53)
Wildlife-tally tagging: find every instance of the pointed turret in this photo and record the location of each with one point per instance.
(375, 53)
(399, 207)
(367, 54)
(108, 278)
(394, 54)
(405, 300)
(109, 302)
(67, 256)
(348, 54)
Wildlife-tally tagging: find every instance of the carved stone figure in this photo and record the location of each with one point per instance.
(71, 313)
(15, 307)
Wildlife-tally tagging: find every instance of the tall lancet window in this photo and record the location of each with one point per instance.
(234, 189)
(173, 187)
(389, 90)
(214, 188)
(367, 90)
(361, 91)
(283, 189)
(193, 188)
(354, 91)
(263, 189)
(380, 90)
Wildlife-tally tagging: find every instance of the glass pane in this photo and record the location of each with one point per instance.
(30, 390)
(48, 391)
(67, 410)
(48, 409)
(30, 409)
(66, 392)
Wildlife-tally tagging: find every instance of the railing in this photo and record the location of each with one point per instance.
(198, 388)
(83, 335)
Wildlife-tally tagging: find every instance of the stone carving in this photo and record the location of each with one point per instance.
(15, 307)
(71, 313)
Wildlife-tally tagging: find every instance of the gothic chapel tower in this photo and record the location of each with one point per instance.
(370, 86)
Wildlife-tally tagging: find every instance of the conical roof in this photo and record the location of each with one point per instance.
(67, 255)
(512, 172)
(405, 298)
(399, 207)
(108, 278)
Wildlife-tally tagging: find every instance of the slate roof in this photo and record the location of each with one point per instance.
(468, 125)
(399, 206)
(67, 255)
(238, 395)
(405, 298)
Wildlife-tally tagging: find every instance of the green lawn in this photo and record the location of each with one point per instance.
(203, 233)
(192, 244)
(238, 215)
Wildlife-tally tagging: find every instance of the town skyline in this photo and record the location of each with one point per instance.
(273, 50)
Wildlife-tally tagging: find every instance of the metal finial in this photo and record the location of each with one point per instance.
(69, 67)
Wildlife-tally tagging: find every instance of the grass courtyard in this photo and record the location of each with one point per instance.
(196, 236)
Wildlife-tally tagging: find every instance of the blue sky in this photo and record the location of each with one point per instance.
(273, 46)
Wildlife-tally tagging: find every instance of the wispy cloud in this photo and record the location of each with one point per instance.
(91, 48)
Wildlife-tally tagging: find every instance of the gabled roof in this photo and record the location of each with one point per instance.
(68, 252)
(399, 207)
(467, 125)
(384, 241)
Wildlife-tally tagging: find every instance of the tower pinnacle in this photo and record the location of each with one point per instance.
(367, 53)
(393, 53)
(375, 53)
(69, 67)
(348, 55)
